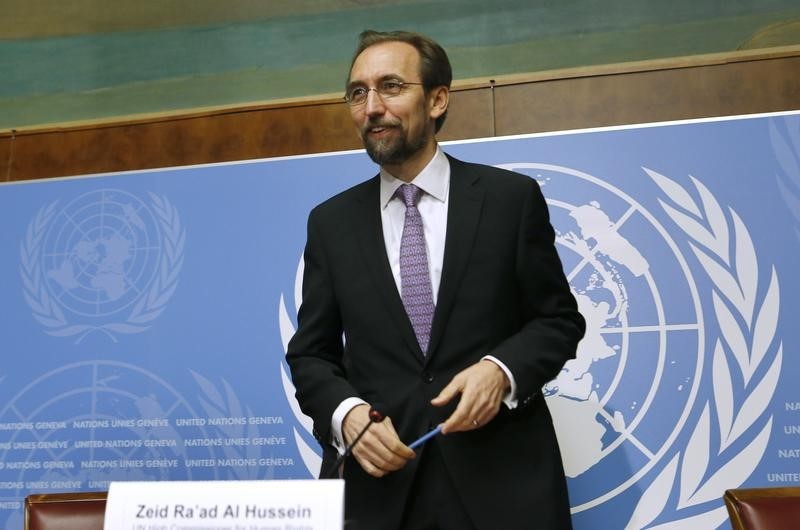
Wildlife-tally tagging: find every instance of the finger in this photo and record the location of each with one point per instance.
(368, 466)
(461, 418)
(393, 441)
(386, 447)
(453, 388)
(380, 461)
(372, 457)
(479, 404)
(485, 417)
(486, 408)
(382, 448)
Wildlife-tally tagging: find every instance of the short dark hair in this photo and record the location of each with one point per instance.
(434, 65)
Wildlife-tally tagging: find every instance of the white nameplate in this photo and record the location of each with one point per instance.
(226, 505)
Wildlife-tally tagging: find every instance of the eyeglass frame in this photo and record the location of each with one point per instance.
(402, 84)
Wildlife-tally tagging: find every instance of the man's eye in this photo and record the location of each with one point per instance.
(356, 93)
(391, 86)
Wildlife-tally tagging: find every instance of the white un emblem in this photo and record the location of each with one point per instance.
(107, 261)
(635, 377)
(630, 411)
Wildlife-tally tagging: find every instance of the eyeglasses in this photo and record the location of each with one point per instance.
(357, 95)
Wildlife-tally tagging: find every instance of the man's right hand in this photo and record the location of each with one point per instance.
(380, 450)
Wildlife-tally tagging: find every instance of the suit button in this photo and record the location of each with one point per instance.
(428, 377)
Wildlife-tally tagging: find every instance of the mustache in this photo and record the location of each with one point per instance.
(380, 123)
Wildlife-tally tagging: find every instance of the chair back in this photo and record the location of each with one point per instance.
(65, 511)
(764, 508)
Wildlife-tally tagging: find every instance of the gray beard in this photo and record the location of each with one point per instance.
(393, 152)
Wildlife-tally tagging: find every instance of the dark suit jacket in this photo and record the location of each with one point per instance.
(502, 292)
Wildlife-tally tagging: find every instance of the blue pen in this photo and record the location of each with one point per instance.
(425, 437)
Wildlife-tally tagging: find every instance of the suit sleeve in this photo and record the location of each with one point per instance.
(552, 325)
(315, 351)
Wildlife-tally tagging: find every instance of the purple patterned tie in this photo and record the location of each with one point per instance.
(415, 280)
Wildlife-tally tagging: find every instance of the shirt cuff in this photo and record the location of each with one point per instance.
(510, 399)
(338, 417)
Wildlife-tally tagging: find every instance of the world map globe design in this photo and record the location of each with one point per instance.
(619, 406)
(101, 252)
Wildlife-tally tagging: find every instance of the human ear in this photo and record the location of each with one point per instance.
(438, 100)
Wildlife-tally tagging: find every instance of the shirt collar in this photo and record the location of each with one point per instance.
(434, 180)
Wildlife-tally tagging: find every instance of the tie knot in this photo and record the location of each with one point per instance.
(409, 193)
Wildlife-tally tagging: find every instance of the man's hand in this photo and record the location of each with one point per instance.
(380, 450)
(482, 387)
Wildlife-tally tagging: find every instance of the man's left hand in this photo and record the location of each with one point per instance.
(482, 387)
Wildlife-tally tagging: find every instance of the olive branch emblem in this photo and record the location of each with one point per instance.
(311, 459)
(48, 312)
(745, 366)
(227, 405)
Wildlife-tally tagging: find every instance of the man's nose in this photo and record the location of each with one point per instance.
(374, 104)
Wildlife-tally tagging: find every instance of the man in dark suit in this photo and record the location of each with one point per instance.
(433, 288)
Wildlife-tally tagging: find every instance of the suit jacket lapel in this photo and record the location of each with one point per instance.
(369, 233)
(463, 215)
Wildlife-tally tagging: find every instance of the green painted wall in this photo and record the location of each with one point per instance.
(68, 61)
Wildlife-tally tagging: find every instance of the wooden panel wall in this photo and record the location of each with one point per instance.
(716, 85)
(697, 91)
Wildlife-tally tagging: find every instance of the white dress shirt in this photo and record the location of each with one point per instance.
(434, 180)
